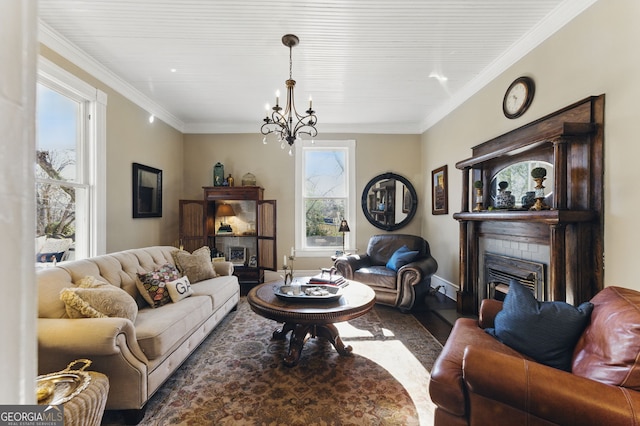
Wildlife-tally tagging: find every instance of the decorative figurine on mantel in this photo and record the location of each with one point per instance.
(538, 174)
(478, 186)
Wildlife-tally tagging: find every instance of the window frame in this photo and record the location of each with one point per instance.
(91, 155)
(349, 146)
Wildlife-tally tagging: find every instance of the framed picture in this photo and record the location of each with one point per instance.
(253, 262)
(147, 191)
(238, 255)
(439, 191)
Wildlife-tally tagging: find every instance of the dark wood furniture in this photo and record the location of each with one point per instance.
(191, 224)
(572, 140)
(310, 319)
(254, 228)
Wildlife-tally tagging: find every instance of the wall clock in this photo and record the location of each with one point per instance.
(518, 97)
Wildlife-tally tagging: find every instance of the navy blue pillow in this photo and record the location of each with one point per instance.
(401, 257)
(544, 331)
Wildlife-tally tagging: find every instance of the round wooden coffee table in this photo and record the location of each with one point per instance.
(310, 318)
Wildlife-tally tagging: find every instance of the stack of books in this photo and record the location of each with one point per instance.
(327, 277)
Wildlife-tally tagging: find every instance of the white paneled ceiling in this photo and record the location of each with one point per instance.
(381, 66)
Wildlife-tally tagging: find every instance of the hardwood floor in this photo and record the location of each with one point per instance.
(437, 313)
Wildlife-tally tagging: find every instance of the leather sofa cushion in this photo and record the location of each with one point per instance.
(609, 348)
(377, 276)
(381, 247)
(446, 385)
(158, 330)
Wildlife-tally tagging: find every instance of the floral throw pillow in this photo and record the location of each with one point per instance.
(152, 285)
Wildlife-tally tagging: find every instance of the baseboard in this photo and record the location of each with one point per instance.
(449, 289)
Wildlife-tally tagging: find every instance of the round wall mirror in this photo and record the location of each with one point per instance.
(389, 201)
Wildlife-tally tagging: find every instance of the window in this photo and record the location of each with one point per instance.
(69, 169)
(325, 194)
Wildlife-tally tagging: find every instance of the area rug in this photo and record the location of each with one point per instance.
(236, 376)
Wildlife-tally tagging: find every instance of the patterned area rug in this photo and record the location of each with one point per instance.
(236, 376)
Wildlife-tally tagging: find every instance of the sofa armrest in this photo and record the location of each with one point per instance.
(510, 390)
(489, 308)
(223, 268)
(87, 337)
(347, 265)
(414, 272)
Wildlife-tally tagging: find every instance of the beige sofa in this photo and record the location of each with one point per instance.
(137, 356)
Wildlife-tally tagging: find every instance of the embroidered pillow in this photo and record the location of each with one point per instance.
(92, 298)
(197, 265)
(401, 257)
(545, 331)
(179, 289)
(152, 285)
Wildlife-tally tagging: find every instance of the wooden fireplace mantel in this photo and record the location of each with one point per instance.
(571, 139)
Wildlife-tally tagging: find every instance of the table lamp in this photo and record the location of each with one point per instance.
(344, 227)
(225, 210)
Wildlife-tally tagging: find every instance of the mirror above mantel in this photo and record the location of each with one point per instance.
(517, 182)
(389, 201)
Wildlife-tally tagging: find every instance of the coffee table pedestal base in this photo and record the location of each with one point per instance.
(300, 334)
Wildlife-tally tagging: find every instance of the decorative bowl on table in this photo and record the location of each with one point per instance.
(321, 293)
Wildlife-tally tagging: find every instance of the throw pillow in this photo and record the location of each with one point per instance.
(92, 298)
(544, 331)
(152, 285)
(401, 257)
(197, 265)
(179, 289)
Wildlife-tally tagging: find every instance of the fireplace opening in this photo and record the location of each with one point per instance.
(500, 270)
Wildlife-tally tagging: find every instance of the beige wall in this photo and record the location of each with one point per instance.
(594, 54)
(274, 170)
(131, 138)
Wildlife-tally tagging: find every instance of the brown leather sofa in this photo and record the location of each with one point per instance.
(477, 380)
(402, 288)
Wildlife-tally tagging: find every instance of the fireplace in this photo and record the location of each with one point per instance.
(571, 229)
(499, 270)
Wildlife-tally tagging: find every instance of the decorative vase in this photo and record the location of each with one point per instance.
(505, 200)
(539, 194)
(528, 199)
(218, 174)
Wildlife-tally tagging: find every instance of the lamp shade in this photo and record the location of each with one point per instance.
(344, 226)
(225, 209)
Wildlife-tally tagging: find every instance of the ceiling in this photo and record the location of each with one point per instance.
(372, 66)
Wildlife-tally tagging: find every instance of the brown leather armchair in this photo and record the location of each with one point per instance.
(477, 380)
(402, 288)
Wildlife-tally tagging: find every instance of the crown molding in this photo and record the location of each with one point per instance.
(55, 41)
(558, 18)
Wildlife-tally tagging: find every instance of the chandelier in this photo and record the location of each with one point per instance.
(289, 125)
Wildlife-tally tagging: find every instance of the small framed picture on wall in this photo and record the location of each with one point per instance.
(439, 191)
